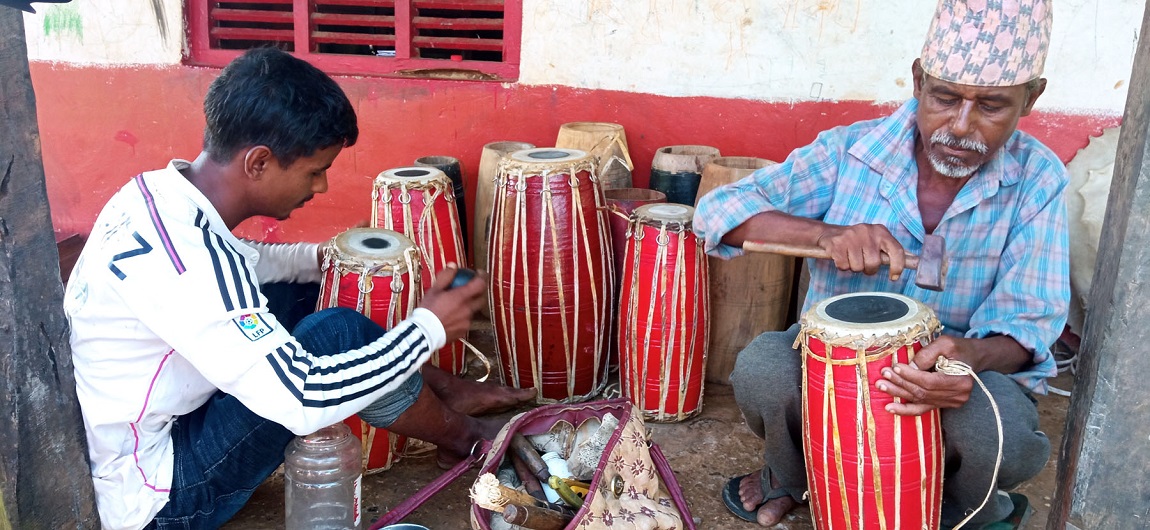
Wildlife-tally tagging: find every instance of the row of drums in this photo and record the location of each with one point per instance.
(577, 285)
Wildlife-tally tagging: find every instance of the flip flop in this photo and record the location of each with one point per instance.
(731, 500)
(1017, 518)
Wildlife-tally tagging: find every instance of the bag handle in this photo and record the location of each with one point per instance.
(413, 502)
(667, 475)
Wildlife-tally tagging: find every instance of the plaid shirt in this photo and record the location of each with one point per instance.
(1006, 231)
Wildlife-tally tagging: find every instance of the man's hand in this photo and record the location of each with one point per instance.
(920, 387)
(860, 247)
(455, 307)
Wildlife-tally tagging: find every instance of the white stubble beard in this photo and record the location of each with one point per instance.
(951, 166)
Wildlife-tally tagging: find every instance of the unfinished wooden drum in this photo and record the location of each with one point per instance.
(749, 294)
(676, 170)
(453, 168)
(375, 272)
(663, 314)
(485, 195)
(551, 277)
(419, 203)
(607, 144)
(867, 468)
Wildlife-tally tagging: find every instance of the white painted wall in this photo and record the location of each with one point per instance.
(773, 50)
(107, 32)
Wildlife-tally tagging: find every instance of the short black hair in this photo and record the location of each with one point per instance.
(268, 97)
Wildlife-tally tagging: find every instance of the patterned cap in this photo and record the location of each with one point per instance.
(988, 42)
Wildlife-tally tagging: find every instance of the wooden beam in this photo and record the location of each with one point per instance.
(44, 474)
(1105, 450)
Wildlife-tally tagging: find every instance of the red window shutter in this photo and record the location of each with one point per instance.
(250, 24)
(389, 37)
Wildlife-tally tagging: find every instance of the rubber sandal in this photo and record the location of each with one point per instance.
(1017, 518)
(731, 500)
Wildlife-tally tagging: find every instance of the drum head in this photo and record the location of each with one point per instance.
(372, 246)
(412, 176)
(867, 314)
(667, 213)
(549, 155)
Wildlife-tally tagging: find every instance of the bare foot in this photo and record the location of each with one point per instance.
(447, 455)
(473, 398)
(770, 513)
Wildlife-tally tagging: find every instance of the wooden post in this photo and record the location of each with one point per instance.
(1106, 447)
(45, 481)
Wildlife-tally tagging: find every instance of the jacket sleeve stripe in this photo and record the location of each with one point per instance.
(241, 292)
(306, 376)
(158, 222)
(203, 226)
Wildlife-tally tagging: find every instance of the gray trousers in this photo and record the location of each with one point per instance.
(767, 381)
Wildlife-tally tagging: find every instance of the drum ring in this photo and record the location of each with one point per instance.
(574, 180)
(404, 197)
(396, 285)
(370, 285)
(521, 185)
(663, 238)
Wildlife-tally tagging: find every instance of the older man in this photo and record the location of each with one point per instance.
(948, 162)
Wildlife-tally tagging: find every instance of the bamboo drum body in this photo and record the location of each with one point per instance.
(551, 276)
(749, 294)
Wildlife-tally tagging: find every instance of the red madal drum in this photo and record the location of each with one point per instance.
(663, 313)
(373, 271)
(866, 467)
(549, 256)
(419, 202)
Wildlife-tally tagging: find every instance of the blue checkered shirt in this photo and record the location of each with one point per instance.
(1006, 231)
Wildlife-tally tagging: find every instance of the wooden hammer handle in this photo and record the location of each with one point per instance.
(911, 260)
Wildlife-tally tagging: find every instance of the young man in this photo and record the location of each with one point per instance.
(948, 162)
(189, 386)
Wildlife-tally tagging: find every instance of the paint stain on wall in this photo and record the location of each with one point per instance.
(126, 137)
(64, 21)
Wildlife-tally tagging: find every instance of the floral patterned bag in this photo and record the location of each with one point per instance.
(633, 486)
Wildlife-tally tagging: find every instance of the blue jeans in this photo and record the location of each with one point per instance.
(223, 451)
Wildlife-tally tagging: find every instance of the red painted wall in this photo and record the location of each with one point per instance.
(101, 126)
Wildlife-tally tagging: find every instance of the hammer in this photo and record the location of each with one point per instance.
(931, 265)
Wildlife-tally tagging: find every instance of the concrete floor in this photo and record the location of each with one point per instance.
(704, 452)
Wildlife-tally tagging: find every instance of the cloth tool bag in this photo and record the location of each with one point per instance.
(633, 486)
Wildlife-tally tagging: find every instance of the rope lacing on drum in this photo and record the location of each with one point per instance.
(951, 367)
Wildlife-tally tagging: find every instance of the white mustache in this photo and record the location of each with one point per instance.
(954, 142)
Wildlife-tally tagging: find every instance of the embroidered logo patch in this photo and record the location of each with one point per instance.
(252, 326)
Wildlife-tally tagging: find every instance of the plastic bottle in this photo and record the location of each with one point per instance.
(322, 476)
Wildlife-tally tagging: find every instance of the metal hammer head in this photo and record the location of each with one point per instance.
(932, 264)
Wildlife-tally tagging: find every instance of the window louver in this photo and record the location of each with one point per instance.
(365, 36)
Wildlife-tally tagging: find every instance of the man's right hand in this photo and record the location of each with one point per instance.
(860, 247)
(455, 307)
